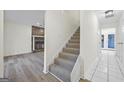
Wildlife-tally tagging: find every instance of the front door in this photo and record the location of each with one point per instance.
(111, 41)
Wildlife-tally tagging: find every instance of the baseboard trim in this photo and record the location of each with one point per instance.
(109, 49)
(18, 54)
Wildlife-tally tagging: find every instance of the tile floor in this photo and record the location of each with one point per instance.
(108, 69)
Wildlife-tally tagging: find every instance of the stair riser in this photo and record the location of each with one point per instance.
(66, 65)
(76, 34)
(74, 41)
(73, 46)
(71, 51)
(71, 58)
(75, 37)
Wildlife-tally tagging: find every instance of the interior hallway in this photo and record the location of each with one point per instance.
(107, 69)
(27, 68)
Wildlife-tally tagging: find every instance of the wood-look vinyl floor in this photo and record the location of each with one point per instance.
(26, 68)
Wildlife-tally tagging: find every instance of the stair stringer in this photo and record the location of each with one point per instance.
(76, 71)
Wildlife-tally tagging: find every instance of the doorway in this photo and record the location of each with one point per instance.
(37, 39)
(108, 38)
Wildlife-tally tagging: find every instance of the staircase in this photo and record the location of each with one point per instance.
(65, 62)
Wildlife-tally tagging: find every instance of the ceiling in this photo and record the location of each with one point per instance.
(28, 17)
(37, 17)
(108, 21)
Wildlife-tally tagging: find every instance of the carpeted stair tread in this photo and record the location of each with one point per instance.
(65, 63)
(75, 37)
(74, 41)
(60, 72)
(78, 32)
(69, 56)
(73, 45)
(71, 50)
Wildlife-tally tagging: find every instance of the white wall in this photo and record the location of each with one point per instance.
(90, 39)
(17, 38)
(108, 25)
(27, 17)
(59, 26)
(1, 45)
(120, 39)
(106, 32)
